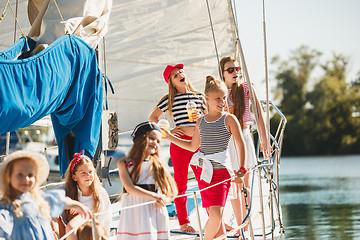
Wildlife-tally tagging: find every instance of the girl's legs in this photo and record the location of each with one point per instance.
(214, 227)
(181, 159)
(76, 222)
(239, 205)
(236, 205)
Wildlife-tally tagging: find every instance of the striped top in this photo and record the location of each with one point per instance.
(179, 111)
(214, 138)
(247, 114)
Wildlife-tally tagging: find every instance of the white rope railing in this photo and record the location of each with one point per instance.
(118, 209)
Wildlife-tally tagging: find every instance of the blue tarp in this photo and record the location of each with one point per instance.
(63, 80)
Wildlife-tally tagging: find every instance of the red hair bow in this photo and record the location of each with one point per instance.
(76, 160)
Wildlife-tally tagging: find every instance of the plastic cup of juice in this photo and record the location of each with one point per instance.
(163, 123)
(191, 108)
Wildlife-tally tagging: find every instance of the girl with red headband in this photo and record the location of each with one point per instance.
(83, 184)
(181, 92)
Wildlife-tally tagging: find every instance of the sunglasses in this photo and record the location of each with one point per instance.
(232, 69)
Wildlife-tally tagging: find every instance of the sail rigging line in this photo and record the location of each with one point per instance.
(214, 39)
(266, 78)
(58, 9)
(4, 11)
(16, 14)
(15, 17)
(241, 57)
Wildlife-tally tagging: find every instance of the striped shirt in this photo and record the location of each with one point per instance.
(179, 111)
(247, 114)
(214, 138)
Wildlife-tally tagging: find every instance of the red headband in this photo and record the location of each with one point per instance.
(76, 160)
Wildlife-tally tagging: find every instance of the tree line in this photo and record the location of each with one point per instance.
(323, 112)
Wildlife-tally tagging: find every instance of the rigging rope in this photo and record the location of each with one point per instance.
(15, 17)
(266, 79)
(213, 34)
(57, 7)
(4, 11)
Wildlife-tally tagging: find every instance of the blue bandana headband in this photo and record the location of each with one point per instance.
(144, 127)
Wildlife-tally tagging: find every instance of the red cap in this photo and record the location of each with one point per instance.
(168, 70)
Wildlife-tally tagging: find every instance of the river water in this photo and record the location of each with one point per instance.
(320, 197)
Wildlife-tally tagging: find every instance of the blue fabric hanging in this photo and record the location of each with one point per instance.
(63, 80)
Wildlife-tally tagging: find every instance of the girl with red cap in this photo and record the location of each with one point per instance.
(181, 92)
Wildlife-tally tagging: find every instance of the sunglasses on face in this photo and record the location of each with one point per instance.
(232, 69)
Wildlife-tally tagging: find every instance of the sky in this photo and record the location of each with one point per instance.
(329, 26)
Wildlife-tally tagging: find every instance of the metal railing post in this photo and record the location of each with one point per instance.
(198, 216)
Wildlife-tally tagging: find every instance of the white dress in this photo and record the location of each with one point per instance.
(143, 222)
(250, 151)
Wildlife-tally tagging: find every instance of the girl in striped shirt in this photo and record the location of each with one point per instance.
(180, 94)
(212, 162)
(239, 104)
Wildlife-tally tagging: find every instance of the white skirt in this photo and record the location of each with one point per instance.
(144, 222)
(250, 151)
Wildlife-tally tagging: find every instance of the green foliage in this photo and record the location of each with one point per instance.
(326, 119)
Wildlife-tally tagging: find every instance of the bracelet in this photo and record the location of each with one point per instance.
(244, 169)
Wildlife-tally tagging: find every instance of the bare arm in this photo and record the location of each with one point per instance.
(155, 115)
(191, 145)
(136, 190)
(234, 127)
(262, 125)
(78, 207)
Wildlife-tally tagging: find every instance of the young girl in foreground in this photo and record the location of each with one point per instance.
(142, 175)
(181, 92)
(25, 211)
(239, 105)
(212, 134)
(83, 184)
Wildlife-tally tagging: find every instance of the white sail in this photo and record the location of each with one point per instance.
(145, 36)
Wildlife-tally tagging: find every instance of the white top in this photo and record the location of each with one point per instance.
(145, 177)
(104, 207)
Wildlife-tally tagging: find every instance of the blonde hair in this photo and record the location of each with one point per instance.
(237, 95)
(213, 84)
(71, 186)
(173, 91)
(9, 193)
(84, 232)
(162, 177)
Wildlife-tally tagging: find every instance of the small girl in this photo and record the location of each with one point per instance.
(145, 179)
(83, 184)
(181, 92)
(25, 211)
(239, 104)
(212, 134)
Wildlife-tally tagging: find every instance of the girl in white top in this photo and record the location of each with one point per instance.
(145, 179)
(212, 158)
(83, 184)
(239, 104)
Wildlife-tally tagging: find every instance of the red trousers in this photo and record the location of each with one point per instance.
(181, 158)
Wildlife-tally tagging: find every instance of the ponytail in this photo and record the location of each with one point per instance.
(213, 84)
